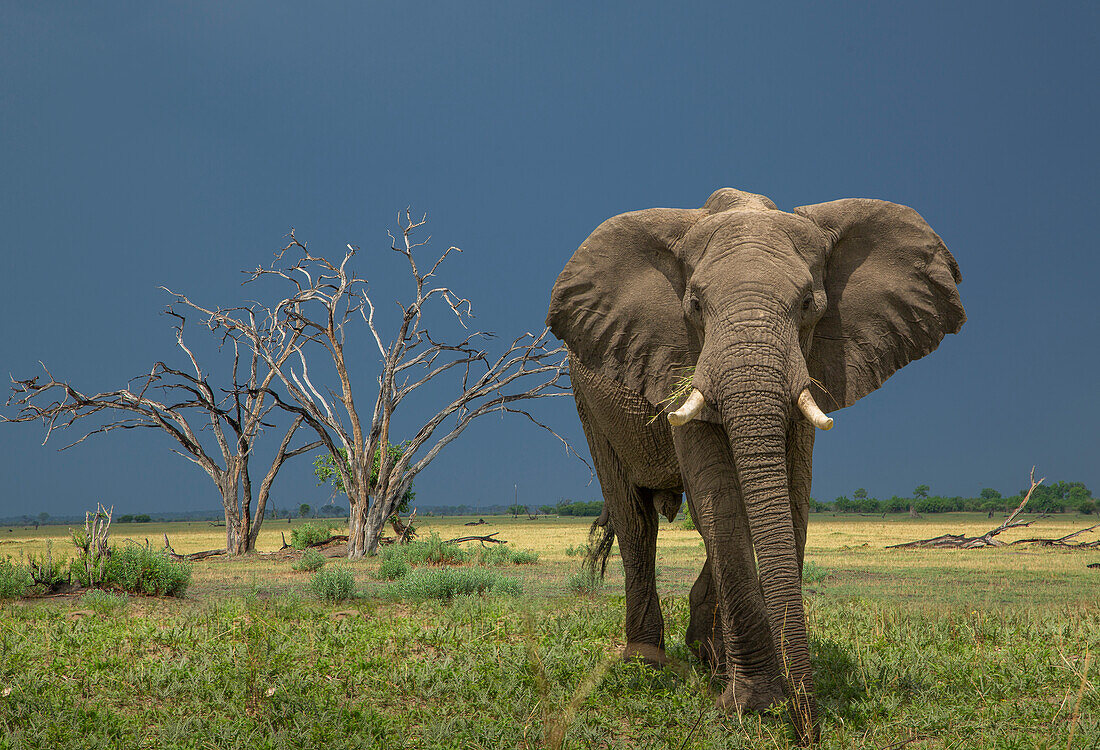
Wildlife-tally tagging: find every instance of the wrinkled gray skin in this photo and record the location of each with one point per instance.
(754, 305)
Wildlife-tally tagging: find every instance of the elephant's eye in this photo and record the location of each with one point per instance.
(693, 306)
(807, 302)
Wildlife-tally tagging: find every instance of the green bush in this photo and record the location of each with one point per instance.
(393, 568)
(447, 583)
(104, 602)
(334, 584)
(310, 561)
(141, 570)
(584, 582)
(688, 523)
(503, 554)
(579, 551)
(309, 534)
(15, 580)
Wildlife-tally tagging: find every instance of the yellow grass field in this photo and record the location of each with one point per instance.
(850, 548)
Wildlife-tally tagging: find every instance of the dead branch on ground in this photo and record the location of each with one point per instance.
(961, 541)
(488, 538)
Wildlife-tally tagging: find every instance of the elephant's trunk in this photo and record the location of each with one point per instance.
(752, 391)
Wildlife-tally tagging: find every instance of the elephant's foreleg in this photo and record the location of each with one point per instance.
(630, 510)
(711, 482)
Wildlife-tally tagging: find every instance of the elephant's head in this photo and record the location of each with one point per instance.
(776, 317)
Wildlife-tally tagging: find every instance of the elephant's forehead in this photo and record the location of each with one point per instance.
(782, 236)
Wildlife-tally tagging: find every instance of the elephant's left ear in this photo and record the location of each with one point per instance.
(890, 282)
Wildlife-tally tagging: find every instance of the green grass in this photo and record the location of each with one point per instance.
(447, 583)
(913, 649)
(310, 561)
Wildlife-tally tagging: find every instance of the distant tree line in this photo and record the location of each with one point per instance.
(571, 508)
(1056, 497)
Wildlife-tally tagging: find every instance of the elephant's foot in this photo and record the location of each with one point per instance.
(647, 653)
(750, 696)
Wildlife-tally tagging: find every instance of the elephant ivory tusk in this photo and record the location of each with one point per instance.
(689, 410)
(810, 409)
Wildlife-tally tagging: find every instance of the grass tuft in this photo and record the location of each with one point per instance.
(335, 584)
(505, 554)
(444, 584)
(311, 560)
(584, 581)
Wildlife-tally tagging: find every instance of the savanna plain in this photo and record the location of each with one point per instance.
(987, 648)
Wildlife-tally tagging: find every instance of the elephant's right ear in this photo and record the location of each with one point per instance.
(617, 304)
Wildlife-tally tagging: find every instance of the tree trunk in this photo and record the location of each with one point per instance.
(357, 526)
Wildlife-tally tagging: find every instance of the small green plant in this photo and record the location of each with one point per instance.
(813, 572)
(688, 523)
(104, 602)
(503, 554)
(310, 534)
(15, 580)
(140, 570)
(333, 584)
(584, 581)
(579, 551)
(310, 561)
(393, 568)
(445, 584)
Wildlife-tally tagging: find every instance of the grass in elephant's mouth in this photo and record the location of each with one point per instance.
(970, 650)
(681, 387)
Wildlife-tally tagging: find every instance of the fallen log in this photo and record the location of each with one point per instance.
(478, 522)
(488, 538)
(961, 541)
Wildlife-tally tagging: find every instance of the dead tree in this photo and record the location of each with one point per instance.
(327, 298)
(185, 404)
(961, 541)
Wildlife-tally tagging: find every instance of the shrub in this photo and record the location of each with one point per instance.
(44, 571)
(393, 568)
(15, 580)
(104, 602)
(447, 583)
(503, 554)
(310, 561)
(334, 584)
(141, 570)
(584, 581)
(579, 551)
(688, 524)
(309, 534)
(431, 551)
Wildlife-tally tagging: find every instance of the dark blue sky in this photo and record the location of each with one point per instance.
(145, 145)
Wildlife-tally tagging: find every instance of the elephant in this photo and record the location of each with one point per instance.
(701, 343)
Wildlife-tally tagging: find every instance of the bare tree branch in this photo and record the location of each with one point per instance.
(325, 297)
(241, 408)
